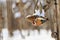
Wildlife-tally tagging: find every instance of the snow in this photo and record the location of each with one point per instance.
(24, 1)
(17, 15)
(37, 12)
(13, 5)
(15, 11)
(34, 35)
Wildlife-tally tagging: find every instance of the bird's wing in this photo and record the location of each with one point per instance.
(31, 18)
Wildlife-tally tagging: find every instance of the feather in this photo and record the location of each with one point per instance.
(31, 18)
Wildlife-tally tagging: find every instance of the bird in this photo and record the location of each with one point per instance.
(36, 20)
(38, 16)
(40, 20)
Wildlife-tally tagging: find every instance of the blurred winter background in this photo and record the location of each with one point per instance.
(34, 35)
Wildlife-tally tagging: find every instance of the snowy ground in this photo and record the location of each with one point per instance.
(44, 35)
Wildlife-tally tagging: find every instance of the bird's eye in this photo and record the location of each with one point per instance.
(43, 21)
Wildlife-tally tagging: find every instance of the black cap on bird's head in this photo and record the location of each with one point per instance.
(43, 20)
